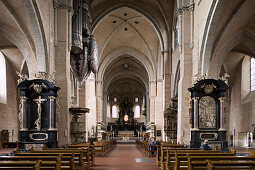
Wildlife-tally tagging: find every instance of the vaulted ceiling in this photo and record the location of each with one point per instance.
(131, 33)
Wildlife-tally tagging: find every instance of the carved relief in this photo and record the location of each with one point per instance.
(207, 112)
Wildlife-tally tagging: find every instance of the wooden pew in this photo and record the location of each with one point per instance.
(68, 158)
(223, 165)
(21, 165)
(52, 161)
(25, 164)
(181, 157)
(89, 147)
(82, 154)
(171, 155)
(87, 154)
(104, 146)
(200, 162)
(162, 154)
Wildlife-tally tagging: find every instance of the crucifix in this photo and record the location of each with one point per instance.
(39, 101)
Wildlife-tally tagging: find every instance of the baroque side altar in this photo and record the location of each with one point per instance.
(37, 114)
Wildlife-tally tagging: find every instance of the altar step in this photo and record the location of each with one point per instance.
(127, 140)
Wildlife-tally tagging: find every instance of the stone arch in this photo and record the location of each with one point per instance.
(247, 37)
(107, 84)
(30, 59)
(158, 29)
(38, 34)
(127, 51)
(209, 35)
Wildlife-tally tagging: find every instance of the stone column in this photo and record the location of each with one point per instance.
(99, 98)
(195, 100)
(52, 116)
(23, 113)
(62, 60)
(183, 130)
(222, 101)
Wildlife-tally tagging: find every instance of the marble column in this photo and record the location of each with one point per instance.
(52, 116)
(23, 113)
(195, 100)
(222, 101)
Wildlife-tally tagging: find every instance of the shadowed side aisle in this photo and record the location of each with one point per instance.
(125, 157)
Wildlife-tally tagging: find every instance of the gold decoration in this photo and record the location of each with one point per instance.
(37, 87)
(22, 77)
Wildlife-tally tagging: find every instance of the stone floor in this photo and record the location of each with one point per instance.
(125, 157)
(4, 151)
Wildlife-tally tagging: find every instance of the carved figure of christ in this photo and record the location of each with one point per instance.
(39, 102)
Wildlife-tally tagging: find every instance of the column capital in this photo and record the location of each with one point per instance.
(23, 98)
(195, 99)
(222, 99)
(52, 98)
(191, 7)
(55, 4)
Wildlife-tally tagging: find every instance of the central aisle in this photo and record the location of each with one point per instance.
(125, 157)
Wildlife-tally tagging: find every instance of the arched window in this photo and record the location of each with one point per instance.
(114, 111)
(252, 74)
(136, 99)
(3, 92)
(137, 111)
(176, 33)
(108, 110)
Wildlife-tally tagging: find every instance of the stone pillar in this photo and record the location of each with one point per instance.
(183, 130)
(62, 60)
(52, 117)
(222, 101)
(152, 94)
(23, 113)
(195, 100)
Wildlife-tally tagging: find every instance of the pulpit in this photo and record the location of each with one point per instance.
(37, 116)
(207, 113)
(78, 127)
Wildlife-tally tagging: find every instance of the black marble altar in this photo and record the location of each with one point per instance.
(206, 117)
(37, 114)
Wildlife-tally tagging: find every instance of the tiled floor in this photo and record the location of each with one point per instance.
(125, 157)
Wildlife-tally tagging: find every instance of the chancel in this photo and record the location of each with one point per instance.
(127, 84)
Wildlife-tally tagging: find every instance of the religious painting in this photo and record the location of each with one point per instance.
(207, 112)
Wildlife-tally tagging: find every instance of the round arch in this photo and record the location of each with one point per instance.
(247, 37)
(127, 51)
(30, 59)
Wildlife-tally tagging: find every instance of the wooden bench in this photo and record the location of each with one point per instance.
(25, 164)
(172, 154)
(56, 159)
(200, 162)
(87, 146)
(161, 156)
(88, 154)
(70, 160)
(21, 165)
(180, 157)
(223, 165)
(104, 146)
(162, 152)
(81, 160)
